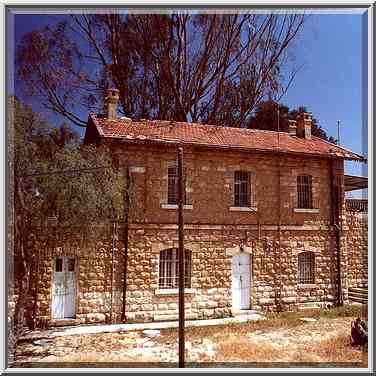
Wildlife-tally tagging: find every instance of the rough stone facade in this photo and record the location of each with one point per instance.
(357, 249)
(273, 234)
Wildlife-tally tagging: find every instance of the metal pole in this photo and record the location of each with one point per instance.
(181, 256)
(112, 269)
(126, 228)
(338, 122)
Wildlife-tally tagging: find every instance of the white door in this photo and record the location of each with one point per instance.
(241, 281)
(64, 288)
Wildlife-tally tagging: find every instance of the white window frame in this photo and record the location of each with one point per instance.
(168, 276)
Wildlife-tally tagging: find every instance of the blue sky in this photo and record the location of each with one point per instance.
(332, 80)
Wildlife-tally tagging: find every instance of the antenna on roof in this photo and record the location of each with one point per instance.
(338, 123)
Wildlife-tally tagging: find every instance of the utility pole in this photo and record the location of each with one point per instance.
(181, 256)
(126, 231)
(338, 123)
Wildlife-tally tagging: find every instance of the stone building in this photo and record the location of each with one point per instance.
(265, 226)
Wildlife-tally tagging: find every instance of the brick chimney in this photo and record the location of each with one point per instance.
(304, 125)
(111, 103)
(292, 127)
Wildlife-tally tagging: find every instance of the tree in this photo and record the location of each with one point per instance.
(208, 68)
(266, 117)
(54, 175)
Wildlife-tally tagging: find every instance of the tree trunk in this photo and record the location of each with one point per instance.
(24, 257)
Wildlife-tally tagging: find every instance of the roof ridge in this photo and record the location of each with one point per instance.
(198, 125)
(215, 135)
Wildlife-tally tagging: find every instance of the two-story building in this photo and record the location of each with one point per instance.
(264, 224)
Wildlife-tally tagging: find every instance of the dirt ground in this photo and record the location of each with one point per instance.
(266, 343)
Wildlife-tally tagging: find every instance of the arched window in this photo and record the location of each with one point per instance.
(169, 269)
(306, 268)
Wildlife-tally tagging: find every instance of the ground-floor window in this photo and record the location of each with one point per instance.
(306, 268)
(169, 268)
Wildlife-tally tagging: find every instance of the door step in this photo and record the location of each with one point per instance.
(65, 322)
(243, 312)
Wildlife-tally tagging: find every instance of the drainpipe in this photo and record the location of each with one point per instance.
(336, 223)
(112, 269)
(278, 259)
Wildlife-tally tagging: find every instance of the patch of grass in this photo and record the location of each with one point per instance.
(333, 350)
(235, 348)
(222, 333)
(348, 310)
(274, 320)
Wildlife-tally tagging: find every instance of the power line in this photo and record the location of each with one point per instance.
(62, 172)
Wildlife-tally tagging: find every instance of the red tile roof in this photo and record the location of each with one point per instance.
(214, 136)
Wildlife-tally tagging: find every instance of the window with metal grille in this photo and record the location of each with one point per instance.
(172, 185)
(172, 189)
(58, 264)
(306, 268)
(169, 269)
(242, 188)
(305, 192)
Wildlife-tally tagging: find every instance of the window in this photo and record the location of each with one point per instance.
(172, 189)
(172, 185)
(169, 269)
(59, 264)
(242, 188)
(306, 268)
(71, 263)
(305, 192)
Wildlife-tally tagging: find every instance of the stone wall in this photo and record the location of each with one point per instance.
(214, 232)
(274, 283)
(210, 186)
(357, 248)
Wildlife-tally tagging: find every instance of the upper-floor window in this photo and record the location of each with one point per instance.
(169, 268)
(242, 188)
(172, 186)
(306, 268)
(304, 183)
(172, 189)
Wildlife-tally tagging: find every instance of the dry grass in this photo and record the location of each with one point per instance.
(290, 339)
(335, 312)
(241, 349)
(283, 337)
(334, 350)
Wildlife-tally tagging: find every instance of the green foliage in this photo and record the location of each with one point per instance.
(266, 117)
(57, 176)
